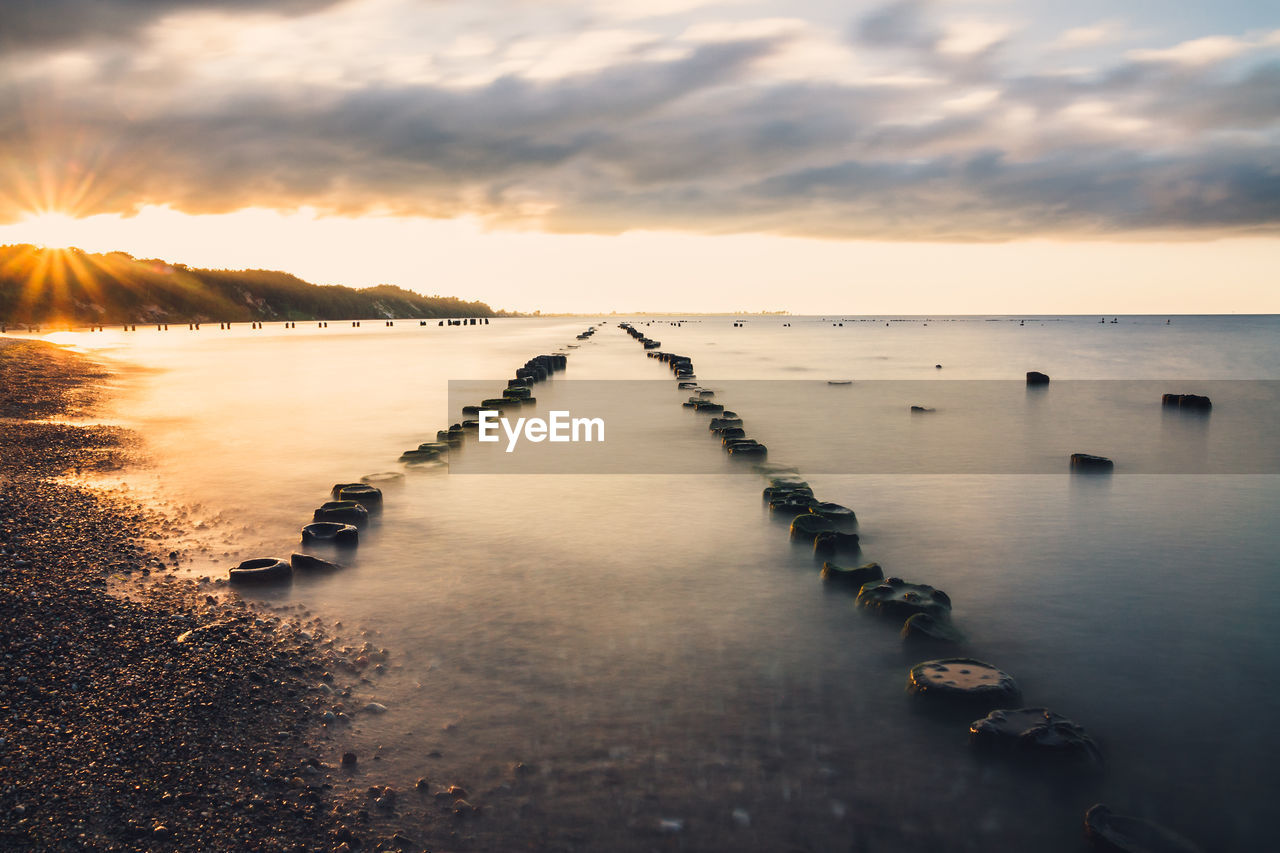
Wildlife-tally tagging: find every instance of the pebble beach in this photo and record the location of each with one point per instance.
(137, 709)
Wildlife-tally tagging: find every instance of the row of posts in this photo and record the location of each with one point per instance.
(256, 324)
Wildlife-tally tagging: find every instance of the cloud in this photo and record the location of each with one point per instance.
(1082, 191)
(967, 37)
(900, 24)
(416, 148)
(1201, 51)
(1083, 37)
(27, 25)
(963, 48)
(696, 126)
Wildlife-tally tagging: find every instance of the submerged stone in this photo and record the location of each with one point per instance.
(1191, 402)
(1086, 462)
(344, 512)
(436, 446)
(261, 570)
(747, 447)
(337, 489)
(829, 543)
(419, 456)
(721, 424)
(361, 493)
(1034, 732)
(794, 504)
(962, 679)
(807, 526)
(855, 578)
(382, 478)
(900, 599)
(1109, 831)
(836, 513)
(308, 563)
(781, 492)
(330, 533)
(924, 626)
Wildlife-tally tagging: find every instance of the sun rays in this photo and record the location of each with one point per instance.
(59, 173)
(54, 202)
(50, 280)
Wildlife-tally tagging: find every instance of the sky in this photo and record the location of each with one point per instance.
(918, 156)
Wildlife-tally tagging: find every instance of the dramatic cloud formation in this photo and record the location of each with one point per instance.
(916, 120)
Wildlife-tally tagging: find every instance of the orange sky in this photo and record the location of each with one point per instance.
(661, 271)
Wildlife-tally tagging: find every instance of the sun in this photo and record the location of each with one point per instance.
(45, 274)
(49, 229)
(43, 255)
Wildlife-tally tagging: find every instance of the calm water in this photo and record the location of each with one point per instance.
(652, 648)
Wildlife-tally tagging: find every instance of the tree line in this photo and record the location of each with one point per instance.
(69, 286)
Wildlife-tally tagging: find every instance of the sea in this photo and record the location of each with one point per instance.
(631, 653)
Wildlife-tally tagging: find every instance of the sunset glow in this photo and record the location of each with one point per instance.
(908, 156)
(52, 230)
(665, 270)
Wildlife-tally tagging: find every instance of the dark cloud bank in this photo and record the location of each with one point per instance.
(28, 25)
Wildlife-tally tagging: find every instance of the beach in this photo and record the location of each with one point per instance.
(156, 715)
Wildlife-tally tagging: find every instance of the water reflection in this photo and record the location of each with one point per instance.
(595, 655)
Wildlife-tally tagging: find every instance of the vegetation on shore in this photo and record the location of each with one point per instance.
(68, 286)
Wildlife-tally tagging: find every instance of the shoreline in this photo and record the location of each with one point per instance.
(558, 801)
(165, 718)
